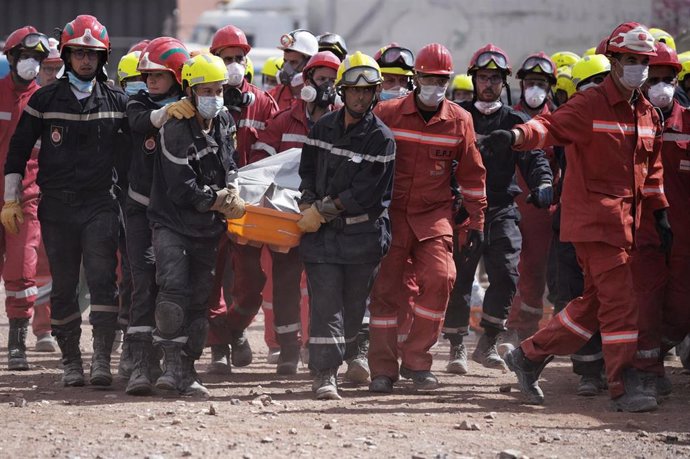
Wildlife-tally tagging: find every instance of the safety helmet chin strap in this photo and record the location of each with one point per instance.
(354, 114)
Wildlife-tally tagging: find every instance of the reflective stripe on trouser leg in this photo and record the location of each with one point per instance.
(589, 359)
(458, 310)
(20, 262)
(286, 274)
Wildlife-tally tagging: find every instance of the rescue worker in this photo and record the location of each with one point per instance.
(683, 88)
(334, 43)
(564, 59)
(79, 120)
(564, 88)
(397, 64)
(346, 169)
(250, 108)
(269, 72)
(537, 75)
(289, 129)
(601, 208)
(20, 234)
(52, 66)
(153, 100)
(189, 204)
(249, 71)
(500, 242)
(297, 46)
(461, 88)
(660, 279)
(430, 132)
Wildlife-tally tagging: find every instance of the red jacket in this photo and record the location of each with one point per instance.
(288, 129)
(614, 162)
(13, 99)
(675, 156)
(252, 120)
(424, 152)
(283, 96)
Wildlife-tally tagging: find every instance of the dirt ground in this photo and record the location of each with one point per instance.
(255, 414)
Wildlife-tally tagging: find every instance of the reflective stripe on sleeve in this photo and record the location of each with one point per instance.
(294, 138)
(356, 157)
(6, 116)
(619, 337)
(169, 156)
(252, 123)
(676, 137)
(383, 322)
(265, 147)
(613, 127)
(425, 138)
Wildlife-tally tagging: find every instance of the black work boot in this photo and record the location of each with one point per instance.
(189, 383)
(635, 399)
(103, 339)
(288, 360)
(140, 378)
(73, 372)
(172, 366)
(241, 353)
(358, 366)
(457, 361)
(421, 379)
(126, 365)
(220, 360)
(527, 373)
(325, 384)
(16, 345)
(486, 353)
(591, 385)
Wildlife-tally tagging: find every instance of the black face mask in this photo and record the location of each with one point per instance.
(325, 95)
(233, 97)
(286, 74)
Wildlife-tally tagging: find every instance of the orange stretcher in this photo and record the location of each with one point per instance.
(277, 229)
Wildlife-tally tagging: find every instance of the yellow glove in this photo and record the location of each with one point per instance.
(234, 205)
(12, 216)
(183, 108)
(311, 220)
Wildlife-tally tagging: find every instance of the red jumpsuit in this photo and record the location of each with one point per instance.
(250, 121)
(421, 220)
(19, 253)
(535, 226)
(614, 163)
(283, 96)
(662, 288)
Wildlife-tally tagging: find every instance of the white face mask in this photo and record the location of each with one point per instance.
(393, 93)
(661, 94)
(487, 108)
(27, 69)
(235, 73)
(308, 93)
(634, 76)
(431, 95)
(534, 96)
(209, 106)
(586, 86)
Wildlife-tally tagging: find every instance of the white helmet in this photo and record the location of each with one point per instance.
(301, 41)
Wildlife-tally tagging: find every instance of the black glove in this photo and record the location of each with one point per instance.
(498, 141)
(475, 239)
(541, 196)
(663, 228)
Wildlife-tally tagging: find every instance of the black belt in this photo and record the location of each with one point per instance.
(76, 197)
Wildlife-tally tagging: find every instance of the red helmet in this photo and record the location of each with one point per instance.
(229, 36)
(321, 59)
(665, 55)
(85, 32)
(164, 54)
(489, 57)
(17, 37)
(139, 46)
(601, 47)
(538, 63)
(434, 59)
(631, 37)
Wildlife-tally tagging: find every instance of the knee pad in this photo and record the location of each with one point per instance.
(169, 319)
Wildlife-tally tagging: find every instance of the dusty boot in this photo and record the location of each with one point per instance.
(591, 385)
(103, 339)
(126, 365)
(241, 351)
(421, 379)
(73, 372)
(457, 361)
(273, 355)
(46, 343)
(527, 373)
(358, 366)
(16, 345)
(140, 378)
(190, 384)
(487, 354)
(381, 384)
(664, 387)
(155, 362)
(288, 360)
(220, 360)
(325, 384)
(172, 366)
(634, 400)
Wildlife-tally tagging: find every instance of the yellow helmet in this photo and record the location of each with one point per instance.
(663, 37)
(249, 70)
(462, 82)
(590, 66)
(686, 69)
(590, 52)
(358, 70)
(684, 57)
(127, 68)
(271, 66)
(564, 81)
(562, 58)
(204, 68)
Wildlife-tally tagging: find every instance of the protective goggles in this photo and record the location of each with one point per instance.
(397, 55)
(534, 62)
(499, 59)
(36, 41)
(353, 76)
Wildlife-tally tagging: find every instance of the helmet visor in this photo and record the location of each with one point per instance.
(397, 55)
(534, 62)
(36, 40)
(499, 59)
(361, 76)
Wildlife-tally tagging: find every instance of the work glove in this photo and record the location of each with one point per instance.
(234, 205)
(542, 196)
(328, 208)
(473, 244)
(663, 228)
(182, 109)
(498, 141)
(12, 216)
(311, 220)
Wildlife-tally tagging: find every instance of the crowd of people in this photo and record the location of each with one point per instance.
(412, 175)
